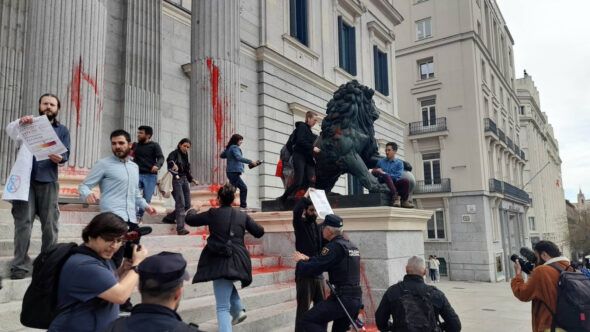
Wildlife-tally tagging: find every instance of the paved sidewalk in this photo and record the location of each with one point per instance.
(487, 307)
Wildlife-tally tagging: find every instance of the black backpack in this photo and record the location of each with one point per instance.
(290, 145)
(39, 306)
(573, 301)
(415, 311)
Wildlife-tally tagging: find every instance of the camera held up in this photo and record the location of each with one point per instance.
(133, 237)
(527, 260)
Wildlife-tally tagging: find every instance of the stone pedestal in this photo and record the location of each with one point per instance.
(385, 236)
(215, 89)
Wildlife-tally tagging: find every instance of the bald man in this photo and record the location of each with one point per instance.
(414, 305)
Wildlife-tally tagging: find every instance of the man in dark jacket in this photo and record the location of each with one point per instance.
(303, 150)
(148, 156)
(412, 297)
(161, 280)
(308, 241)
(342, 260)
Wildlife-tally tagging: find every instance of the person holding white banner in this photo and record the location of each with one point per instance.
(32, 186)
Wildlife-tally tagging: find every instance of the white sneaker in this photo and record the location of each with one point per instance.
(240, 318)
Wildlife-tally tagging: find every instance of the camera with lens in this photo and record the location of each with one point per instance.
(132, 238)
(527, 260)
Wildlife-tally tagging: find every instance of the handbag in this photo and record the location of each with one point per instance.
(226, 248)
(165, 185)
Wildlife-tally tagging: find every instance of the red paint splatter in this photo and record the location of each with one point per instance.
(216, 103)
(214, 188)
(369, 307)
(213, 202)
(79, 75)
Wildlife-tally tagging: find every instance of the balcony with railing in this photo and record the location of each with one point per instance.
(501, 135)
(490, 126)
(509, 191)
(433, 186)
(517, 150)
(510, 143)
(522, 155)
(425, 127)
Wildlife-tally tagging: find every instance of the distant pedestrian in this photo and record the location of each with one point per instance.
(415, 306)
(225, 258)
(179, 165)
(235, 166)
(148, 156)
(433, 265)
(33, 188)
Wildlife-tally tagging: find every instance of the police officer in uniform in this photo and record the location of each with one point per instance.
(161, 280)
(341, 259)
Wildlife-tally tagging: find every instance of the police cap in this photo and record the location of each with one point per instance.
(162, 272)
(333, 220)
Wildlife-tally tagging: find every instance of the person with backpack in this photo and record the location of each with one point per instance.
(541, 286)
(414, 305)
(90, 288)
(302, 155)
(235, 166)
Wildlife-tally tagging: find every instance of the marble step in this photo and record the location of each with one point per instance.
(276, 318)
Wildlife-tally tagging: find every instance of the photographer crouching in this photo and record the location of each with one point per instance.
(90, 287)
(541, 285)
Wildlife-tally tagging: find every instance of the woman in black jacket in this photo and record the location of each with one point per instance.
(302, 159)
(225, 258)
(180, 167)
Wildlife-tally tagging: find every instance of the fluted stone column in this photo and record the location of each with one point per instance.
(65, 55)
(143, 70)
(215, 52)
(12, 37)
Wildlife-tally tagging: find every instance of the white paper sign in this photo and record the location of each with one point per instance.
(40, 138)
(320, 201)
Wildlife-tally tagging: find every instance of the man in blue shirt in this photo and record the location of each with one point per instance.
(389, 171)
(43, 193)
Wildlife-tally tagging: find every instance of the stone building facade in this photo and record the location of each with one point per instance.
(256, 68)
(547, 216)
(457, 91)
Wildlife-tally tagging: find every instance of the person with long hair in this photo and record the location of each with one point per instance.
(225, 258)
(235, 166)
(179, 165)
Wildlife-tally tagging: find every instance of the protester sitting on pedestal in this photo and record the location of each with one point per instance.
(389, 171)
(414, 305)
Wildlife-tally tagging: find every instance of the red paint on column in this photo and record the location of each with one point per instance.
(216, 104)
(75, 89)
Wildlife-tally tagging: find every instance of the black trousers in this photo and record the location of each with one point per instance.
(302, 170)
(308, 290)
(317, 319)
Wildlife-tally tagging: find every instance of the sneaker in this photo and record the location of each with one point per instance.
(182, 231)
(407, 205)
(396, 202)
(18, 274)
(241, 317)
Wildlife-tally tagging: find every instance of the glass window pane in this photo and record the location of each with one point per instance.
(440, 225)
(427, 28)
(436, 171)
(430, 228)
(427, 173)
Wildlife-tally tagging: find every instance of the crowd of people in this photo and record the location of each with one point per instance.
(96, 280)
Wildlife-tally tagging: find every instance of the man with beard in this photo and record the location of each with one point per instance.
(148, 156)
(41, 197)
(308, 241)
(118, 180)
(161, 280)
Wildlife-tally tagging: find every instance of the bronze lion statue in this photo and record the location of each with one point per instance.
(347, 140)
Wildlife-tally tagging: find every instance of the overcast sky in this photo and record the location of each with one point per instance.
(552, 42)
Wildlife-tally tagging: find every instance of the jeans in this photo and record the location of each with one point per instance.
(182, 198)
(43, 203)
(227, 303)
(147, 182)
(400, 186)
(236, 181)
(433, 274)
